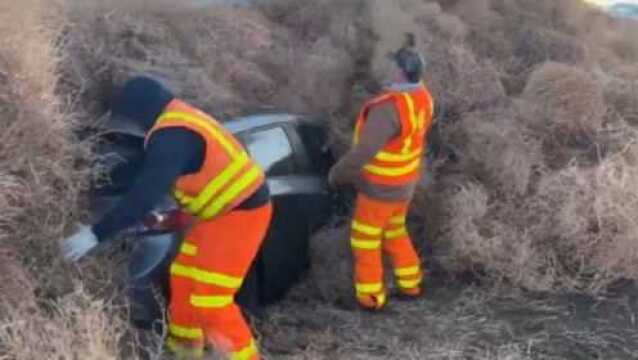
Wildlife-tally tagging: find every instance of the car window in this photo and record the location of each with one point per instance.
(271, 149)
(314, 139)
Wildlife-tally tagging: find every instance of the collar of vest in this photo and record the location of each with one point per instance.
(174, 105)
(405, 86)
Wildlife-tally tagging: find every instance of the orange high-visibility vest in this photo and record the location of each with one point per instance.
(399, 162)
(228, 175)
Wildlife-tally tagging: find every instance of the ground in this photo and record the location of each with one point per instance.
(458, 321)
(538, 100)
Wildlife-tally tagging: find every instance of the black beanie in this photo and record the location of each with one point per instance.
(409, 59)
(142, 100)
(411, 63)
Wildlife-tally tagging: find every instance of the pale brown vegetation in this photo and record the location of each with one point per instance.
(569, 101)
(40, 186)
(537, 98)
(76, 326)
(534, 170)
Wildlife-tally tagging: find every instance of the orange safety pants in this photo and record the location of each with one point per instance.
(380, 225)
(209, 269)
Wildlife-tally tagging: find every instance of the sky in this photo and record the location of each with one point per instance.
(611, 2)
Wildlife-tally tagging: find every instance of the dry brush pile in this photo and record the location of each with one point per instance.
(538, 101)
(542, 195)
(227, 60)
(44, 312)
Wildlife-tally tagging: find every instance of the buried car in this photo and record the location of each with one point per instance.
(293, 152)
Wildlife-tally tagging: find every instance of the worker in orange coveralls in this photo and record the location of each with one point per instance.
(211, 176)
(385, 165)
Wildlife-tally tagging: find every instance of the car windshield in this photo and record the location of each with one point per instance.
(271, 149)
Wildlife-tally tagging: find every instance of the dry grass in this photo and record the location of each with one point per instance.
(39, 194)
(594, 221)
(241, 57)
(491, 212)
(17, 286)
(114, 44)
(570, 102)
(77, 326)
(40, 185)
(496, 134)
(565, 108)
(453, 322)
(332, 274)
(533, 96)
(538, 45)
(622, 95)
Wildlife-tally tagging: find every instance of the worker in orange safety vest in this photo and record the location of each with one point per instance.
(385, 165)
(210, 174)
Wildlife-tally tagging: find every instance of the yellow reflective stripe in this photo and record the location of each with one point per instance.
(413, 121)
(231, 193)
(397, 220)
(394, 171)
(186, 332)
(182, 197)
(213, 187)
(392, 157)
(204, 123)
(421, 119)
(381, 298)
(366, 229)
(205, 301)
(407, 144)
(206, 277)
(369, 288)
(184, 351)
(407, 271)
(411, 111)
(394, 234)
(246, 353)
(188, 249)
(409, 284)
(365, 244)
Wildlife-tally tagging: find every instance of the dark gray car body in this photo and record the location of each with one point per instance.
(291, 149)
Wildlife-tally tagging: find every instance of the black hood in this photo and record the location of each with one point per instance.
(141, 100)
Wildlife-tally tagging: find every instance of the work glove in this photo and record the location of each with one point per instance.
(79, 244)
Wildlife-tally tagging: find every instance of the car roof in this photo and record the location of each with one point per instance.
(240, 124)
(235, 125)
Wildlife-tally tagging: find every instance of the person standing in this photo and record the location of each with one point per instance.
(385, 165)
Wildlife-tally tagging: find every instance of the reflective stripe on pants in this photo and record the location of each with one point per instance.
(378, 226)
(205, 276)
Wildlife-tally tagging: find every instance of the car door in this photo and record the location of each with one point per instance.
(299, 196)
